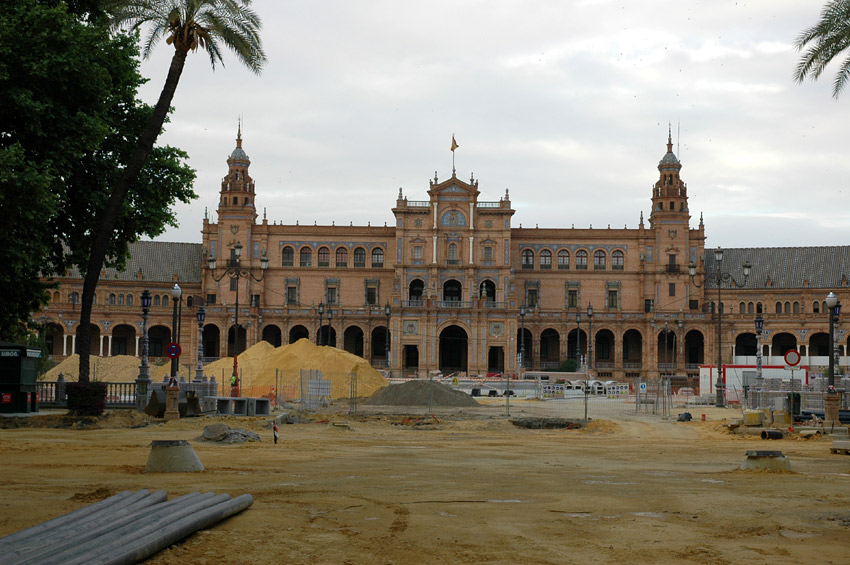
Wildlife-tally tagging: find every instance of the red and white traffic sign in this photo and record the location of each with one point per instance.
(173, 350)
(792, 357)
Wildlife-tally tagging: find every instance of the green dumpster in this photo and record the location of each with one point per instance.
(18, 367)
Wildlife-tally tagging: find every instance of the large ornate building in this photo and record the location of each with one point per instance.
(454, 286)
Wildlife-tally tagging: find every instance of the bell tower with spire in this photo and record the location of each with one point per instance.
(670, 193)
(237, 187)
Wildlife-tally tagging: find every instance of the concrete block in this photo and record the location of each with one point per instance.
(766, 461)
(172, 456)
(224, 405)
(239, 406)
(259, 406)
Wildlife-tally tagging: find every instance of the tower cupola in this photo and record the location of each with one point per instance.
(237, 187)
(670, 193)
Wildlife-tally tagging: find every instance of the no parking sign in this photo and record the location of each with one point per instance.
(173, 350)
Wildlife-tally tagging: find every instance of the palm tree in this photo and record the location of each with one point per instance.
(187, 25)
(829, 38)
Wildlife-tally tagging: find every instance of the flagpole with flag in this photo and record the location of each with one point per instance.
(454, 146)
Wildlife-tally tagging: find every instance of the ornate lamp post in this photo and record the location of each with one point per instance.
(235, 271)
(834, 309)
(388, 312)
(199, 372)
(522, 313)
(719, 278)
(321, 310)
(176, 294)
(578, 340)
(330, 325)
(589, 337)
(143, 381)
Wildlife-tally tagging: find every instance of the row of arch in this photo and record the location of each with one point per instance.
(780, 307)
(452, 290)
(600, 259)
(323, 256)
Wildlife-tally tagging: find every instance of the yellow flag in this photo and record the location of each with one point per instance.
(454, 143)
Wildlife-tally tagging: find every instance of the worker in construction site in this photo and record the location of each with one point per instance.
(276, 432)
(234, 385)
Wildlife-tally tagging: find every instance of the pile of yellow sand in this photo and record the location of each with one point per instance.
(258, 366)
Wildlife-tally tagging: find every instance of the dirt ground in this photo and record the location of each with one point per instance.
(468, 488)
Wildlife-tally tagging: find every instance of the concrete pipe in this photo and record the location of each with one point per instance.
(149, 545)
(771, 434)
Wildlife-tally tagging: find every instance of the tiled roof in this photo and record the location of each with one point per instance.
(158, 261)
(784, 267)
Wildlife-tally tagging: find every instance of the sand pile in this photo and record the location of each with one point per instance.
(117, 369)
(257, 365)
(418, 392)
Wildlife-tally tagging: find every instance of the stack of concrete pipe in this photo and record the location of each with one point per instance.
(126, 528)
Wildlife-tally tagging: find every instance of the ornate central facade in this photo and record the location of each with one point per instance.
(454, 286)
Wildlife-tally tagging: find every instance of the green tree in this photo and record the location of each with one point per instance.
(187, 25)
(828, 38)
(67, 106)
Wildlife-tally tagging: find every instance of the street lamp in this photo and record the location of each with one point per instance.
(719, 278)
(321, 310)
(522, 313)
(589, 337)
(235, 271)
(759, 328)
(143, 381)
(199, 372)
(834, 309)
(176, 294)
(388, 312)
(330, 325)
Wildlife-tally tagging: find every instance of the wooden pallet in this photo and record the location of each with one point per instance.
(840, 446)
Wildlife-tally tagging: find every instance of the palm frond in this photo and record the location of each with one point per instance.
(826, 40)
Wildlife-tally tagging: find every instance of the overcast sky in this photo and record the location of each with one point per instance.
(566, 104)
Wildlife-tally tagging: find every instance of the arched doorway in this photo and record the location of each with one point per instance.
(236, 340)
(745, 345)
(632, 350)
(577, 345)
(819, 345)
(158, 338)
(352, 340)
(211, 341)
(783, 343)
(487, 289)
(694, 348)
(124, 340)
(550, 349)
(666, 360)
(298, 332)
(415, 290)
(54, 338)
(452, 291)
(379, 346)
(328, 336)
(271, 334)
(603, 350)
(496, 360)
(453, 350)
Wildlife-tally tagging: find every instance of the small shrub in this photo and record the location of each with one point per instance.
(86, 399)
(568, 366)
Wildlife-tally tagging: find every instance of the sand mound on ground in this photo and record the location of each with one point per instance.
(418, 392)
(258, 366)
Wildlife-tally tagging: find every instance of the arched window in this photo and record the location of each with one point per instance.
(599, 260)
(156, 300)
(545, 259)
(581, 260)
(112, 299)
(778, 307)
(617, 260)
(129, 300)
(120, 300)
(360, 258)
(796, 307)
(190, 301)
(165, 300)
(527, 259)
(74, 298)
(341, 257)
(742, 308)
(305, 257)
(787, 307)
(563, 259)
(377, 258)
(287, 257)
(816, 307)
(324, 257)
(750, 307)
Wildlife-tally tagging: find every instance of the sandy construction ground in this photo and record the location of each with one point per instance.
(461, 489)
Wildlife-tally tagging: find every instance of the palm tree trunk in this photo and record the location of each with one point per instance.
(110, 214)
